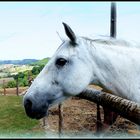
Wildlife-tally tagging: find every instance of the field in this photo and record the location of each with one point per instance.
(13, 120)
(11, 69)
(79, 120)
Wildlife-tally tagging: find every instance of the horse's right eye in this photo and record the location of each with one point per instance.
(61, 62)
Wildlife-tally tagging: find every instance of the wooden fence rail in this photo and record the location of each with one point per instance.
(126, 108)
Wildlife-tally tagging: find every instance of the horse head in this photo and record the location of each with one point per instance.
(66, 74)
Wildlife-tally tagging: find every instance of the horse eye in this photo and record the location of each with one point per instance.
(61, 62)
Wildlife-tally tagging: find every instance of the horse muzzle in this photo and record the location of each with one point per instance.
(34, 109)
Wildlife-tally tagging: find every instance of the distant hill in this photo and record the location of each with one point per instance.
(41, 62)
(18, 62)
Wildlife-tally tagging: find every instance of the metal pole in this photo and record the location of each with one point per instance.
(109, 116)
(113, 20)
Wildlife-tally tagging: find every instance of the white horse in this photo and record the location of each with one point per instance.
(79, 61)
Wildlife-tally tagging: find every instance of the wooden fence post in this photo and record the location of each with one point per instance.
(44, 121)
(4, 89)
(30, 78)
(60, 108)
(99, 124)
(109, 116)
(17, 85)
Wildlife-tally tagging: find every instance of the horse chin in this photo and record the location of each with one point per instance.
(51, 103)
(40, 116)
(57, 101)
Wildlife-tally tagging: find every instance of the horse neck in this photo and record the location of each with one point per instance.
(115, 68)
(94, 59)
(101, 57)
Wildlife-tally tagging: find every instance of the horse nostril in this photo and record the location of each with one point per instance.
(35, 109)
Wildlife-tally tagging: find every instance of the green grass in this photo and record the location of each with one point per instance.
(13, 120)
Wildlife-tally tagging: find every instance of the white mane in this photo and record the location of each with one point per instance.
(111, 41)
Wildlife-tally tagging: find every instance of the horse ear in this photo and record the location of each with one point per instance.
(69, 33)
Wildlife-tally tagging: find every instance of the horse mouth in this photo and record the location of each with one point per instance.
(37, 114)
(40, 112)
(41, 115)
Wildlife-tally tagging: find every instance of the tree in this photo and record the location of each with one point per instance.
(36, 70)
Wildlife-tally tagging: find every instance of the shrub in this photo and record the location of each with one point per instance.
(11, 84)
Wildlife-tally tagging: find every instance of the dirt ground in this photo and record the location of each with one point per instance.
(79, 120)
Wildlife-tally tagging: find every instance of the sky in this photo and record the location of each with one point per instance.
(29, 29)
